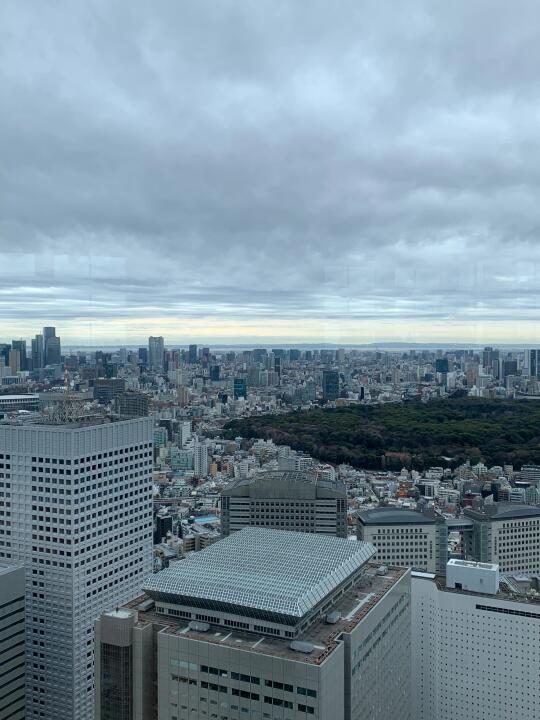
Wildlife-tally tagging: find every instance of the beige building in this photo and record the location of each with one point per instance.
(407, 538)
(507, 534)
(286, 500)
(263, 625)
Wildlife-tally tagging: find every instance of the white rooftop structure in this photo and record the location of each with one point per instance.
(262, 572)
(472, 576)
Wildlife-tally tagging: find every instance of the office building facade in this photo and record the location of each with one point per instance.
(156, 354)
(474, 645)
(52, 350)
(131, 403)
(532, 364)
(330, 384)
(506, 534)
(406, 538)
(80, 518)
(37, 352)
(263, 624)
(284, 500)
(192, 354)
(239, 388)
(12, 640)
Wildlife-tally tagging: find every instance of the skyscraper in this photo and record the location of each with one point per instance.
(240, 388)
(12, 642)
(192, 354)
(532, 363)
(80, 518)
(37, 352)
(20, 345)
(156, 352)
(51, 347)
(53, 352)
(330, 384)
(14, 361)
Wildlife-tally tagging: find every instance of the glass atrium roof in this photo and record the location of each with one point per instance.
(273, 571)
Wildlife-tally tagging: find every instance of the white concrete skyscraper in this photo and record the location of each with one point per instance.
(200, 458)
(79, 514)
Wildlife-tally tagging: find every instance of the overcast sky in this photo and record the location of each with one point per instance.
(349, 172)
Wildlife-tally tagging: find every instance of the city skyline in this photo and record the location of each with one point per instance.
(317, 177)
(180, 334)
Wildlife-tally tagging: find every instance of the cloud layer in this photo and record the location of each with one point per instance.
(360, 172)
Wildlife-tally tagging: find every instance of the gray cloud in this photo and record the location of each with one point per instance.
(269, 160)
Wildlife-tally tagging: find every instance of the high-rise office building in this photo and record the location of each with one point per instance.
(330, 384)
(508, 367)
(156, 353)
(143, 356)
(407, 538)
(504, 533)
(51, 347)
(48, 332)
(12, 639)
(532, 364)
(240, 388)
(441, 365)
(262, 624)
(192, 354)
(14, 361)
(214, 373)
(474, 645)
(286, 501)
(20, 345)
(53, 353)
(278, 365)
(37, 352)
(80, 518)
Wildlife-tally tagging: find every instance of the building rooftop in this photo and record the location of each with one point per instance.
(8, 568)
(394, 516)
(517, 588)
(26, 396)
(285, 483)
(473, 564)
(503, 511)
(352, 608)
(275, 571)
